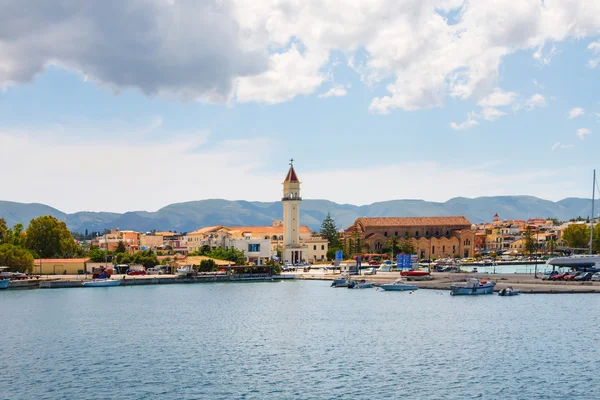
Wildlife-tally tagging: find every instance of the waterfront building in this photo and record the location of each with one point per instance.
(59, 266)
(433, 237)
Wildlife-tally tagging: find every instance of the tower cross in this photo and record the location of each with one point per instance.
(292, 162)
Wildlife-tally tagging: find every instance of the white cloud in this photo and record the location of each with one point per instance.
(594, 47)
(537, 84)
(468, 124)
(220, 49)
(582, 132)
(535, 101)
(544, 59)
(559, 145)
(491, 114)
(336, 91)
(498, 98)
(576, 112)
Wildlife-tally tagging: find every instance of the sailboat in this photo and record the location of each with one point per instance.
(590, 261)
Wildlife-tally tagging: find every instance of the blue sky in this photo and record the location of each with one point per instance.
(367, 117)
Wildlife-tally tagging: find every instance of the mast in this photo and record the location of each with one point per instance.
(592, 220)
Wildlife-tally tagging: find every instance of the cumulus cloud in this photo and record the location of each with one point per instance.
(336, 91)
(468, 124)
(576, 112)
(186, 49)
(594, 47)
(498, 98)
(582, 132)
(273, 50)
(535, 101)
(491, 113)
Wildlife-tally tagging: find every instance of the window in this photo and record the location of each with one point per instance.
(432, 249)
(315, 247)
(447, 233)
(426, 233)
(253, 247)
(322, 247)
(437, 233)
(417, 234)
(396, 233)
(385, 234)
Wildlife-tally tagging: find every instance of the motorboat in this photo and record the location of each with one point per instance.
(416, 275)
(398, 285)
(4, 283)
(473, 286)
(341, 282)
(102, 283)
(361, 284)
(509, 291)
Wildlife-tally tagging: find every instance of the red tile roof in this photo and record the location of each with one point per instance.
(265, 229)
(291, 176)
(412, 221)
(206, 229)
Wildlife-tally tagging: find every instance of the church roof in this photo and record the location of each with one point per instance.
(412, 221)
(291, 176)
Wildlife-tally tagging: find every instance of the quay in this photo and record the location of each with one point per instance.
(77, 281)
(442, 281)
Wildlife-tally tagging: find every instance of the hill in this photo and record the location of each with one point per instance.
(186, 217)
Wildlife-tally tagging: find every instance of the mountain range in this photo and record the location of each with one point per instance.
(189, 216)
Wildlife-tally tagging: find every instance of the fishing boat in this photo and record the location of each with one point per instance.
(473, 286)
(341, 282)
(398, 285)
(509, 291)
(416, 275)
(361, 284)
(102, 283)
(4, 283)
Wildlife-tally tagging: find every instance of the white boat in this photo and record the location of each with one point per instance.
(398, 285)
(509, 291)
(361, 284)
(4, 283)
(341, 282)
(184, 270)
(473, 286)
(102, 283)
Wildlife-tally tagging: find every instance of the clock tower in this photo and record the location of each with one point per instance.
(293, 251)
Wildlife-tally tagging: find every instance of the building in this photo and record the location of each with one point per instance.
(59, 266)
(294, 251)
(433, 237)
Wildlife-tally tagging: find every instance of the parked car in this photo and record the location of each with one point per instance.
(369, 271)
(596, 277)
(559, 277)
(571, 276)
(155, 271)
(548, 275)
(586, 276)
(374, 263)
(136, 272)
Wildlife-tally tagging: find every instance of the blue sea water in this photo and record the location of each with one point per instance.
(295, 340)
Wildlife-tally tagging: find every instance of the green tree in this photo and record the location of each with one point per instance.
(17, 258)
(207, 266)
(529, 245)
(392, 244)
(407, 246)
(330, 232)
(551, 245)
(49, 237)
(596, 240)
(97, 255)
(577, 236)
(121, 248)
(3, 230)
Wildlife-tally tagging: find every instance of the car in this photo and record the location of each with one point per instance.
(586, 276)
(571, 276)
(559, 277)
(369, 271)
(548, 275)
(374, 263)
(596, 277)
(136, 272)
(155, 271)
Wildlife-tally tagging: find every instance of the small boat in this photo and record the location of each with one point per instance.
(416, 275)
(509, 291)
(341, 282)
(102, 283)
(398, 285)
(4, 283)
(361, 284)
(185, 270)
(473, 286)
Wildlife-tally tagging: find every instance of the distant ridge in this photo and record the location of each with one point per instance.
(186, 217)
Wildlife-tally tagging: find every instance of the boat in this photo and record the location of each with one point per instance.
(473, 286)
(416, 275)
(361, 284)
(184, 270)
(509, 291)
(341, 282)
(102, 283)
(398, 285)
(4, 283)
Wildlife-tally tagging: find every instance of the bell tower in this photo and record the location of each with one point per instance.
(291, 217)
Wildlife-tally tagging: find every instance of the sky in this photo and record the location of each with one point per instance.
(134, 105)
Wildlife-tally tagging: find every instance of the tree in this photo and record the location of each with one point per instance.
(393, 244)
(49, 237)
(529, 242)
(207, 265)
(17, 258)
(121, 248)
(97, 255)
(329, 231)
(407, 246)
(577, 236)
(3, 229)
(596, 240)
(551, 245)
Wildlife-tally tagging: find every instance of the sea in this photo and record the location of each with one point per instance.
(295, 340)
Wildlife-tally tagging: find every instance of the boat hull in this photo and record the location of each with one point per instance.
(4, 283)
(103, 283)
(398, 288)
(487, 288)
(509, 293)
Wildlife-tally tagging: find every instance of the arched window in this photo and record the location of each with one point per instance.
(281, 237)
(426, 233)
(447, 233)
(385, 234)
(417, 234)
(437, 233)
(274, 237)
(396, 233)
